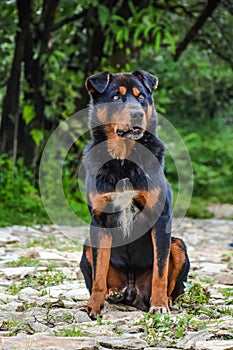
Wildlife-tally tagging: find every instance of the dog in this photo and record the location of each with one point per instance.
(130, 257)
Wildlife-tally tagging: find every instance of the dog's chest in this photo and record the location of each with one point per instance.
(123, 195)
(123, 205)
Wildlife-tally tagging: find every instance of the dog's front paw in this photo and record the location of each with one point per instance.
(114, 296)
(93, 313)
(159, 310)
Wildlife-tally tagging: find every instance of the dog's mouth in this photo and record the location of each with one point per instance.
(133, 133)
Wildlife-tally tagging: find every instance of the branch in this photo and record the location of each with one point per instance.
(207, 12)
(73, 18)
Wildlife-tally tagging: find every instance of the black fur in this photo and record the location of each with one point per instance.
(135, 254)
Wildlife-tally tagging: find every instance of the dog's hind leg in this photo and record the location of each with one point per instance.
(178, 269)
(86, 265)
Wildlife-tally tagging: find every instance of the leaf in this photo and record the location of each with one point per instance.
(28, 113)
(179, 332)
(118, 18)
(59, 53)
(137, 32)
(158, 42)
(37, 136)
(147, 30)
(132, 8)
(171, 40)
(120, 35)
(104, 15)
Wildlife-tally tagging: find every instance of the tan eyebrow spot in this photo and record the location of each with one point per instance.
(122, 90)
(136, 92)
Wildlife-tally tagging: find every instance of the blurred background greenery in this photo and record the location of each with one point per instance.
(49, 47)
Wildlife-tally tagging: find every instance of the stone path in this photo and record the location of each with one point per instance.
(41, 289)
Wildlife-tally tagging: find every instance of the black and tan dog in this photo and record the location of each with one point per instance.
(131, 257)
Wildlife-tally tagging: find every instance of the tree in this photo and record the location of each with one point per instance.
(58, 43)
(13, 129)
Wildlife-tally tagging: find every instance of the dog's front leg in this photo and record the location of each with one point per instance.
(101, 259)
(161, 248)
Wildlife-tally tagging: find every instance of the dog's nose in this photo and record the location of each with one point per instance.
(137, 115)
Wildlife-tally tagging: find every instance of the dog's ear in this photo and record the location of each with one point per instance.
(148, 80)
(98, 82)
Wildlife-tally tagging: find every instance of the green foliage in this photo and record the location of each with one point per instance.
(194, 94)
(210, 148)
(166, 329)
(28, 113)
(75, 191)
(197, 301)
(228, 295)
(7, 32)
(37, 136)
(41, 281)
(196, 296)
(73, 331)
(24, 261)
(20, 202)
(50, 241)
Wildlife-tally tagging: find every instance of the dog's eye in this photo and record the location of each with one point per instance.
(141, 97)
(116, 97)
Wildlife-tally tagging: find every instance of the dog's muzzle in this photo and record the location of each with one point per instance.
(136, 130)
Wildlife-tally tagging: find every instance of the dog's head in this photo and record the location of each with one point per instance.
(121, 109)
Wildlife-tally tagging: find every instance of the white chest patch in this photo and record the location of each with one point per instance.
(123, 202)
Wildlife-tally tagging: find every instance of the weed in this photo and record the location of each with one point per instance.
(209, 281)
(51, 266)
(14, 327)
(45, 242)
(227, 294)
(196, 302)
(194, 298)
(28, 305)
(51, 241)
(165, 329)
(70, 332)
(99, 320)
(42, 280)
(7, 325)
(67, 316)
(24, 261)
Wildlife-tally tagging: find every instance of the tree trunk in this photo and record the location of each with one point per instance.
(14, 133)
(34, 72)
(11, 100)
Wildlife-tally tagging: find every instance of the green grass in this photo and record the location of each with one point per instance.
(51, 241)
(41, 281)
(165, 329)
(73, 331)
(24, 261)
(228, 296)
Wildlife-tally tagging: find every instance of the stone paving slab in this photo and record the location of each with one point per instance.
(41, 290)
(42, 341)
